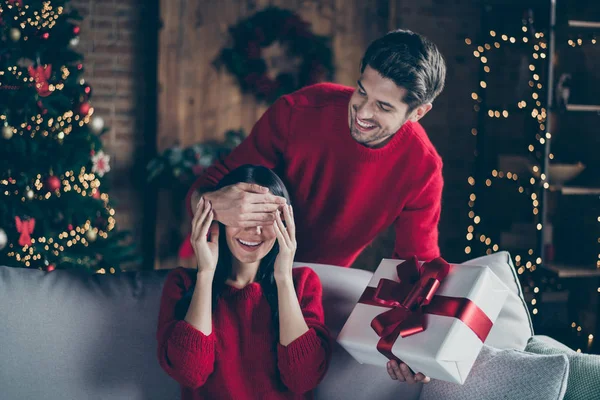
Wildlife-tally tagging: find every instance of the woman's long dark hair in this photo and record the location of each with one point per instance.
(265, 275)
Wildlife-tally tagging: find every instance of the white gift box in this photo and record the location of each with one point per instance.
(447, 348)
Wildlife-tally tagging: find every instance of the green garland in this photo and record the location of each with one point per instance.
(249, 36)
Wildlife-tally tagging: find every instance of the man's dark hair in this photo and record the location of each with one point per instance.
(411, 61)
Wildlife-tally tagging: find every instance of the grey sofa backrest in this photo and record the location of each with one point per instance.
(70, 336)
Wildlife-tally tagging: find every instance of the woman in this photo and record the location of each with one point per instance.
(244, 325)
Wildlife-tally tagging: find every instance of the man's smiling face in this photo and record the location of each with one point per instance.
(376, 110)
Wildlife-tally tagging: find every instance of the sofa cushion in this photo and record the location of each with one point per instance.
(513, 327)
(346, 377)
(69, 335)
(506, 374)
(584, 369)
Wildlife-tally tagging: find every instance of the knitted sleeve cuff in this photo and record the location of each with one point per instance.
(186, 336)
(305, 346)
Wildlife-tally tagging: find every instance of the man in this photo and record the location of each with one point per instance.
(355, 161)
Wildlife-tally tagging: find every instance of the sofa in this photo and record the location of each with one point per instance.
(67, 335)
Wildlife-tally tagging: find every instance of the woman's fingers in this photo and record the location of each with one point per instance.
(289, 221)
(197, 227)
(207, 221)
(282, 228)
(214, 231)
(279, 234)
(199, 208)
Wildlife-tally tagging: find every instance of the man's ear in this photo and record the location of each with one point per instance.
(420, 112)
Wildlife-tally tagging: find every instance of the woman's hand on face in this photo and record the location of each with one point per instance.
(207, 251)
(286, 237)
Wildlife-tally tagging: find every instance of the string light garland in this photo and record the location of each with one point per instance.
(539, 181)
(529, 261)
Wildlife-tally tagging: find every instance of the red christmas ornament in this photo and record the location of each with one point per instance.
(53, 183)
(41, 74)
(25, 228)
(92, 152)
(45, 35)
(50, 268)
(87, 90)
(96, 194)
(70, 227)
(79, 66)
(84, 109)
(76, 30)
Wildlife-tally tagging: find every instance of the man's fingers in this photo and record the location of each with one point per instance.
(397, 371)
(258, 217)
(262, 207)
(408, 375)
(391, 372)
(265, 198)
(252, 187)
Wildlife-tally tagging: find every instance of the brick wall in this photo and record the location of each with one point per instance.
(119, 60)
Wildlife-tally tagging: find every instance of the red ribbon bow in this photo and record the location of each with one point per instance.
(413, 297)
(25, 228)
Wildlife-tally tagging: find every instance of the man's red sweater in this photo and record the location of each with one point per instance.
(241, 359)
(344, 194)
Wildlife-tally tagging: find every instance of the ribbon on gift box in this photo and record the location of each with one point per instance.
(413, 297)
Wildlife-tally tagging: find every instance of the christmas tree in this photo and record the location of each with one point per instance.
(54, 209)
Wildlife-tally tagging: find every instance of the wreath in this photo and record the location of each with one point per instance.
(310, 54)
